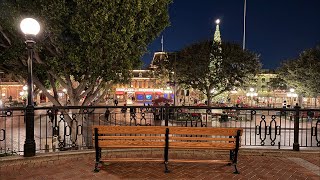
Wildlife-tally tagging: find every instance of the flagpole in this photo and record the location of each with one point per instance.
(244, 25)
(162, 43)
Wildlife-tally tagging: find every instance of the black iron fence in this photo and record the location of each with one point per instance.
(70, 128)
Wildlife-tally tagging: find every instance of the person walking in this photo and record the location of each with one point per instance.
(107, 114)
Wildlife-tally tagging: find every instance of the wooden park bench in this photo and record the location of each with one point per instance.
(114, 137)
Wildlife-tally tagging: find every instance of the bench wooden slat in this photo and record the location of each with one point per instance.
(200, 160)
(201, 139)
(204, 131)
(161, 160)
(131, 129)
(132, 159)
(131, 144)
(200, 145)
(102, 138)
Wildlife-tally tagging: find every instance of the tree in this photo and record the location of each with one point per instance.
(277, 83)
(216, 68)
(84, 46)
(302, 73)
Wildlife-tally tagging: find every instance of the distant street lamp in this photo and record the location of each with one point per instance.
(174, 88)
(25, 88)
(251, 94)
(24, 94)
(30, 27)
(65, 94)
(291, 94)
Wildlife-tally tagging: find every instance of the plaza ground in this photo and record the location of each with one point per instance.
(253, 164)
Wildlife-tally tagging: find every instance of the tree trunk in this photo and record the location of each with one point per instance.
(208, 99)
(300, 101)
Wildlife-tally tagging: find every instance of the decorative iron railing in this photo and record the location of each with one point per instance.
(69, 128)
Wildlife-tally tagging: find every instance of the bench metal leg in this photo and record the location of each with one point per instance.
(235, 155)
(98, 150)
(96, 167)
(166, 170)
(235, 169)
(231, 155)
(166, 152)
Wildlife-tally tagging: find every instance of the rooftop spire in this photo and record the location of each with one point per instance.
(217, 36)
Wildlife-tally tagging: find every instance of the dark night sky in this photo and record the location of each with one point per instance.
(275, 29)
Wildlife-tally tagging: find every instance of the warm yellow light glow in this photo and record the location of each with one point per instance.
(292, 90)
(30, 26)
(218, 21)
(25, 87)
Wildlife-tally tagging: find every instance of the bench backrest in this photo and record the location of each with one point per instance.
(178, 137)
(204, 138)
(205, 131)
(130, 136)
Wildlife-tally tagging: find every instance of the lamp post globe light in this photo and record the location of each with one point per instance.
(30, 27)
(292, 95)
(65, 95)
(251, 94)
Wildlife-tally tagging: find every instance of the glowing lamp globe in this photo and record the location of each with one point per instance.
(30, 26)
(25, 87)
(292, 90)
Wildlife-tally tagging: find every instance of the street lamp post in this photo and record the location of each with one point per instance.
(251, 94)
(30, 28)
(291, 94)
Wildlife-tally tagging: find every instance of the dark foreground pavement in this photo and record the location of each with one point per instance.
(256, 164)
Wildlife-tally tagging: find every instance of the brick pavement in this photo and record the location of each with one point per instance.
(253, 164)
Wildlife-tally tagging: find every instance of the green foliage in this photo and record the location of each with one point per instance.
(221, 67)
(303, 72)
(277, 84)
(92, 42)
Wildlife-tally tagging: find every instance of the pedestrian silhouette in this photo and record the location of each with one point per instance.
(107, 114)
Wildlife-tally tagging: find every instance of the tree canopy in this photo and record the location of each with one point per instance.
(303, 72)
(214, 68)
(277, 83)
(83, 45)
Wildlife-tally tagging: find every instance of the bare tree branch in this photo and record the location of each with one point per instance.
(4, 35)
(45, 92)
(61, 81)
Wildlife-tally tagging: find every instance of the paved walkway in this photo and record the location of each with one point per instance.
(251, 166)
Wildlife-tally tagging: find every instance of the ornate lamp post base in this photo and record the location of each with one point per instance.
(29, 145)
(29, 149)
